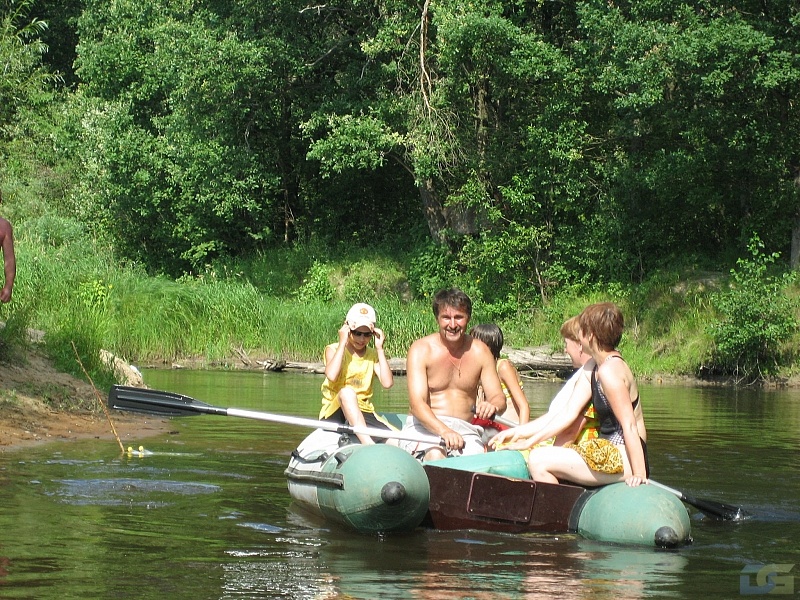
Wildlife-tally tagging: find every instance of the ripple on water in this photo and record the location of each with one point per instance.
(127, 491)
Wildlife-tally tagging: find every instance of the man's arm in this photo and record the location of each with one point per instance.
(418, 391)
(9, 260)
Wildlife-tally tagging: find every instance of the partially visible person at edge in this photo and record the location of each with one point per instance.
(9, 258)
(491, 335)
(444, 371)
(620, 451)
(585, 426)
(350, 365)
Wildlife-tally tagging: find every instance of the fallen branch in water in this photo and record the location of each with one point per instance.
(99, 398)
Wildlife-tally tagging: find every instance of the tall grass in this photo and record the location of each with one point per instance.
(74, 291)
(70, 286)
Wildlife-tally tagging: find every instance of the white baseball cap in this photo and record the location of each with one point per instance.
(361, 315)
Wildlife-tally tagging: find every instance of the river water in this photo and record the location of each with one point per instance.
(207, 514)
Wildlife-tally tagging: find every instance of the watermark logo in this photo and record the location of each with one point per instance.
(769, 579)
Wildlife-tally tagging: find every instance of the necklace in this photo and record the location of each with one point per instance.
(457, 365)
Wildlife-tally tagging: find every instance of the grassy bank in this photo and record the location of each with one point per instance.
(289, 305)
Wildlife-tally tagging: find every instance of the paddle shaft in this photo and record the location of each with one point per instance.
(718, 510)
(332, 426)
(678, 493)
(170, 404)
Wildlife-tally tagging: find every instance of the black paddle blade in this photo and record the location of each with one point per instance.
(718, 510)
(168, 404)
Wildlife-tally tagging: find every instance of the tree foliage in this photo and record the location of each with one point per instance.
(535, 145)
(756, 317)
(24, 82)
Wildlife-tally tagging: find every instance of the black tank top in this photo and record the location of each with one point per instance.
(610, 429)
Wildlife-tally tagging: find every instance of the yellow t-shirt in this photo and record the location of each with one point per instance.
(356, 372)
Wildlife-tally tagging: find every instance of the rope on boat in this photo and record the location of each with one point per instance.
(329, 479)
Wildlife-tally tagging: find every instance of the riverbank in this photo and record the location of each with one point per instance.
(32, 392)
(533, 363)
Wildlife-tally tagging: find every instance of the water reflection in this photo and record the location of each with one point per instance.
(290, 575)
(630, 572)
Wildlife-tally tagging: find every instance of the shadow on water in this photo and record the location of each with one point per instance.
(205, 513)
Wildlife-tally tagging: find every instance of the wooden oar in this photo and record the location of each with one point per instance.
(717, 510)
(169, 404)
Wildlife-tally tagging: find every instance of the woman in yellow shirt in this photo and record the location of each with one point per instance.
(350, 365)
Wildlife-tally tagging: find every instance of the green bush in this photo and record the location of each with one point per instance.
(756, 317)
(366, 280)
(317, 284)
(432, 267)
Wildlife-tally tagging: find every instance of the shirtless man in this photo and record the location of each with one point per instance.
(444, 372)
(9, 259)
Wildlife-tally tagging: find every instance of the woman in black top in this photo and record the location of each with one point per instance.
(619, 454)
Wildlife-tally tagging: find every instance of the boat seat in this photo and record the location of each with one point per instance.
(508, 463)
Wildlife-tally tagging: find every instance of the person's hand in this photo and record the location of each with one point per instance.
(344, 332)
(485, 410)
(5, 295)
(509, 440)
(452, 440)
(379, 336)
(518, 443)
(635, 480)
(502, 438)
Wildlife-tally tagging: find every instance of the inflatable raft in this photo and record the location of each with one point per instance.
(493, 492)
(380, 488)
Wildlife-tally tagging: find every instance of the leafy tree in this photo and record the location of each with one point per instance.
(537, 144)
(24, 81)
(697, 123)
(61, 36)
(192, 146)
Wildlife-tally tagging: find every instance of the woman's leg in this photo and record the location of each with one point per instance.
(549, 464)
(349, 404)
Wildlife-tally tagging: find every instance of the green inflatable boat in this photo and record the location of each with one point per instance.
(380, 488)
(371, 489)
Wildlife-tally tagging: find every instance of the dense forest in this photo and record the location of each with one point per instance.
(522, 147)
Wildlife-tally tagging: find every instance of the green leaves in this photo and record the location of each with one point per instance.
(352, 142)
(23, 80)
(756, 317)
(542, 144)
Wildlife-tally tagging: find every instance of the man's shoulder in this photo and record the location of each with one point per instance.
(424, 343)
(478, 347)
